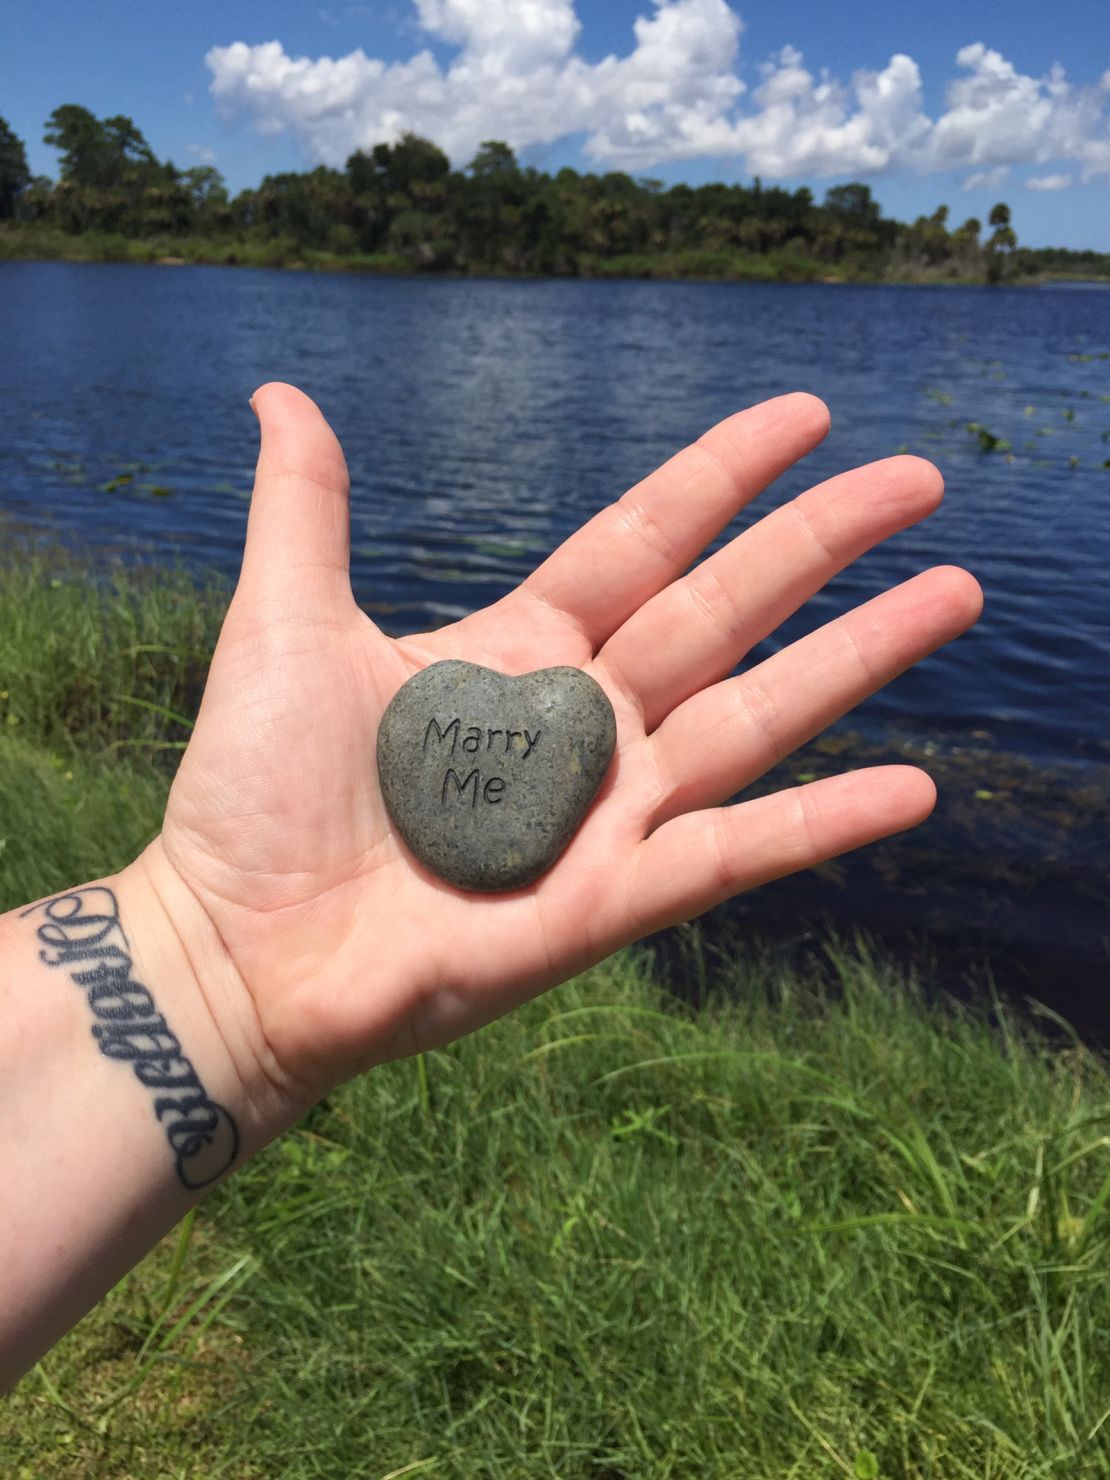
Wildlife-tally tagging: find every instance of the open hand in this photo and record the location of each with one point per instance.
(341, 949)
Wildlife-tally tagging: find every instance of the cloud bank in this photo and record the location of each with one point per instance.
(675, 95)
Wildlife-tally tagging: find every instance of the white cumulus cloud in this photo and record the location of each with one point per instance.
(1048, 182)
(676, 93)
(515, 77)
(518, 36)
(802, 125)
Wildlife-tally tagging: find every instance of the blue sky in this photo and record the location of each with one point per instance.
(960, 103)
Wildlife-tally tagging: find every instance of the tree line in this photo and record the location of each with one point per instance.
(400, 204)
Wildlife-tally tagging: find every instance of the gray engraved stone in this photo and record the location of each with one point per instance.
(487, 777)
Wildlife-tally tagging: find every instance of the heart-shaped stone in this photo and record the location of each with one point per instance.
(486, 776)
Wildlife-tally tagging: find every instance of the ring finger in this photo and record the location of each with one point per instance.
(725, 737)
(696, 630)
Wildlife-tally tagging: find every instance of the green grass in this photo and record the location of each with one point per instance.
(791, 264)
(818, 1225)
(725, 265)
(48, 243)
(101, 671)
(607, 1237)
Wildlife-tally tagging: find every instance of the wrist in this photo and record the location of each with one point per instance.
(128, 1085)
(215, 1036)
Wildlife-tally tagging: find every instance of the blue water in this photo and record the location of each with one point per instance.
(484, 420)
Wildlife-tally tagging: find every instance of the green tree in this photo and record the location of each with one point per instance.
(490, 204)
(928, 241)
(1000, 244)
(14, 174)
(304, 206)
(125, 148)
(110, 177)
(95, 153)
(206, 187)
(850, 225)
(392, 179)
(853, 204)
(418, 236)
(391, 169)
(493, 158)
(403, 197)
(965, 245)
(79, 137)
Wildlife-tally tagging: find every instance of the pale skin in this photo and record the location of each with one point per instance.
(282, 927)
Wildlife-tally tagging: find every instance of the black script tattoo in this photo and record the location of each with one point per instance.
(81, 932)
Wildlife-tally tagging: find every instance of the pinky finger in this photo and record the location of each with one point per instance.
(701, 858)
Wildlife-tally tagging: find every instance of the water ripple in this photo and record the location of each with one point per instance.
(485, 420)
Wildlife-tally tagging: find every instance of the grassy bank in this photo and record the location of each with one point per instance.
(781, 265)
(46, 243)
(800, 1232)
(816, 1226)
(100, 672)
(50, 244)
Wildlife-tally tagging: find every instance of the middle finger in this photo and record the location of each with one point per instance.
(696, 630)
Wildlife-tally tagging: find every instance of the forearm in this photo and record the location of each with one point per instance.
(122, 1101)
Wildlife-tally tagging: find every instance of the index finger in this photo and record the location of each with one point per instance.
(629, 551)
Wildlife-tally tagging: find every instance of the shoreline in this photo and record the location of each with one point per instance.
(729, 268)
(1005, 888)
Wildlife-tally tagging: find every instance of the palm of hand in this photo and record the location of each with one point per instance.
(348, 950)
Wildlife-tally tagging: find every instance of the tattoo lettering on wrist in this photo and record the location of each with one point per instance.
(82, 933)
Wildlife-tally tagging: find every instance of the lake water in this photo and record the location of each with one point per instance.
(484, 420)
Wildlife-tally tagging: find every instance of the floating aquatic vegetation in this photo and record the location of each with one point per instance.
(988, 442)
(510, 549)
(127, 480)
